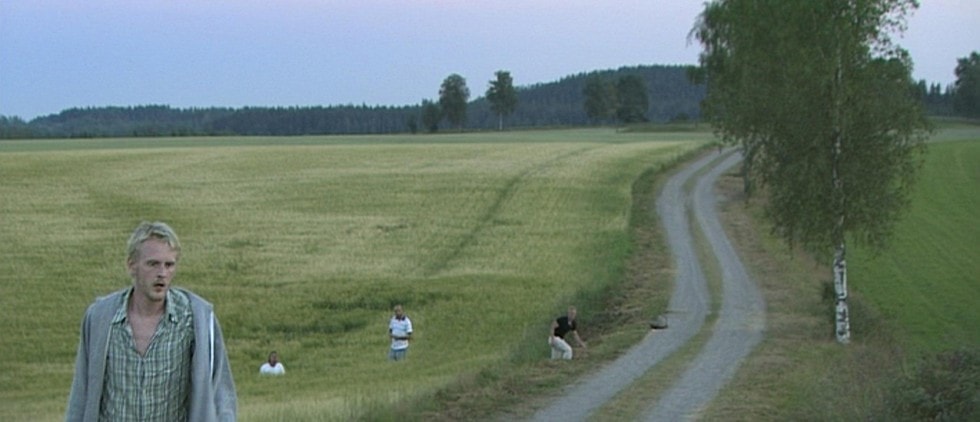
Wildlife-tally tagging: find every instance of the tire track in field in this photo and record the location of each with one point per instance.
(486, 221)
(737, 330)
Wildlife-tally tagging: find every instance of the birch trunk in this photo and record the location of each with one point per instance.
(842, 318)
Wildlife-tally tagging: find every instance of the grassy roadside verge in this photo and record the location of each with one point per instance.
(788, 377)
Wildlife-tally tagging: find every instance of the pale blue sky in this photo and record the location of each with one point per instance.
(58, 54)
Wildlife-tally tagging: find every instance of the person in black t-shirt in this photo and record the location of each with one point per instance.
(559, 328)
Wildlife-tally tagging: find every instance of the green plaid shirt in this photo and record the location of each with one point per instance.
(154, 387)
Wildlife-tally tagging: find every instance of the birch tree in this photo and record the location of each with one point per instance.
(822, 104)
(502, 96)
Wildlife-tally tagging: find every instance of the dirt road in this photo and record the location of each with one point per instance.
(738, 328)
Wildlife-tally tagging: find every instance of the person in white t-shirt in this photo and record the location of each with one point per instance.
(400, 331)
(272, 366)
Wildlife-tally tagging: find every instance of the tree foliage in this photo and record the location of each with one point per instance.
(631, 99)
(935, 100)
(431, 115)
(453, 97)
(600, 99)
(823, 106)
(626, 100)
(502, 96)
(825, 110)
(966, 98)
(14, 128)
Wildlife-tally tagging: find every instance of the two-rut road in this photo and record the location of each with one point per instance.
(737, 329)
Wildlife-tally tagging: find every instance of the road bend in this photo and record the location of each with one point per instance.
(741, 321)
(688, 308)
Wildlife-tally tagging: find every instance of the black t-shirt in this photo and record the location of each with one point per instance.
(564, 326)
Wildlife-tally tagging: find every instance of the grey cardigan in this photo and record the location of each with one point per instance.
(212, 392)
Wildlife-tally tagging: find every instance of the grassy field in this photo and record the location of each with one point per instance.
(928, 282)
(305, 243)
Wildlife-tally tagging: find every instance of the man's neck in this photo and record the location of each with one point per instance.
(146, 308)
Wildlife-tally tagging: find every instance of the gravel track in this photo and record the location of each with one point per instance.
(738, 329)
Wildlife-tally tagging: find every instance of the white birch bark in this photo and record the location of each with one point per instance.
(842, 318)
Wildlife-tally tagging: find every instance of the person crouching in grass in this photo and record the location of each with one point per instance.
(560, 327)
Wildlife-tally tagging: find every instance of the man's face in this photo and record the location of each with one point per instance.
(571, 314)
(152, 269)
(399, 313)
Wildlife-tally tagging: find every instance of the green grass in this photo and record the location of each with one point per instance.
(305, 243)
(927, 284)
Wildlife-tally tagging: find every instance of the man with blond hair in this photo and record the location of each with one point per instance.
(151, 351)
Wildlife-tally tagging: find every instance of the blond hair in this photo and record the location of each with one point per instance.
(147, 230)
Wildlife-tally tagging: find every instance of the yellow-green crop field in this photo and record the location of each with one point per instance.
(304, 244)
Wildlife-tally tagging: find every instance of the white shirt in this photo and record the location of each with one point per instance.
(400, 328)
(267, 369)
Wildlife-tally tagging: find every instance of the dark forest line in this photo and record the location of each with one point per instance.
(670, 93)
(560, 103)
